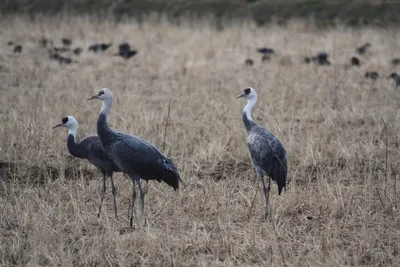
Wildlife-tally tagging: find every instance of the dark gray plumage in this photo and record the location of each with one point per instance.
(354, 61)
(125, 51)
(266, 151)
(249, 62)
(363, 49)
(90, 148)
(66, 41)
(266, 51)
(99, 47)
(395, 61)
(18, 49)
(134, 156)
(373, 75)
(77, 51)
(321, 58)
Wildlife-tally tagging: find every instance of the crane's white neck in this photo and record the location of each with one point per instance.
(250, 104)
(106, 107)
(73, 129)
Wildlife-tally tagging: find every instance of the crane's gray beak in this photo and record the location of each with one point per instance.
(58, 125)
(241, 95)
(93, 97)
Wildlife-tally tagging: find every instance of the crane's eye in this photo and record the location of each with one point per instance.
(65, 120)
(247, 91)
(101, 93)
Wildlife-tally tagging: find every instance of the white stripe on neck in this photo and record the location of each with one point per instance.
(250, 104)
(73, 130)
(106, 107)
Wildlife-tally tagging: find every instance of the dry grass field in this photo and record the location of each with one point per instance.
(340, 207)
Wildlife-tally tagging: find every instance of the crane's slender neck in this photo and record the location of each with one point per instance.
(103, 130)
(73, 130)
(248, 121)
(106, 107)
(72, 145)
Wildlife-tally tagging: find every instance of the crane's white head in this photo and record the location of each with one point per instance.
(104, 94)
(248, 93)
(69, 122)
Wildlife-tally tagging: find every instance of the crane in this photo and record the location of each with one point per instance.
(133, 155)
(266, 151)
(90, 148)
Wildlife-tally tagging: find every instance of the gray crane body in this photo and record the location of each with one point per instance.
(266, 151)
(136, 157)
(90, 148)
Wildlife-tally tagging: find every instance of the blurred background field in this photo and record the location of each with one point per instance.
(340, 128)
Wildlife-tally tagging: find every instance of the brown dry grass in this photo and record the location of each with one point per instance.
(338, 209)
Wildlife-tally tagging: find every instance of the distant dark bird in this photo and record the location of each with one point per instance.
(373, 75)
(355, 61)
(307, 60)
(124, 47)
(128, 54)
(125, 51)
(249, 62)
(133, 155)
(99, 47)
(77, 51)
(266, 51)
(60, 59)
(94, 47)
(363, 49)
(43, 42)
(322, 58)
(396, 78)
(266, 151)
(66, 41)
(395, 61)
(90, 148)
(18, 49)
(10, 43)
(54, 55)
(61, 49)
(104, 47)
(66, 60)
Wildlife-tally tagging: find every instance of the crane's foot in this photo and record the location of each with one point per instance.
(267, 216)
(115, 210)
(145, 222)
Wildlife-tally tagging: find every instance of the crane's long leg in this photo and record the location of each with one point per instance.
(142, 202)
(267, 197)
(141, 195)
(132, 203)
(265, 189)
(114, 192)
(102, 194)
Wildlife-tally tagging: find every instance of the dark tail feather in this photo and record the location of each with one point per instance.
(280, 188)
(280, 174)
(281, 182)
